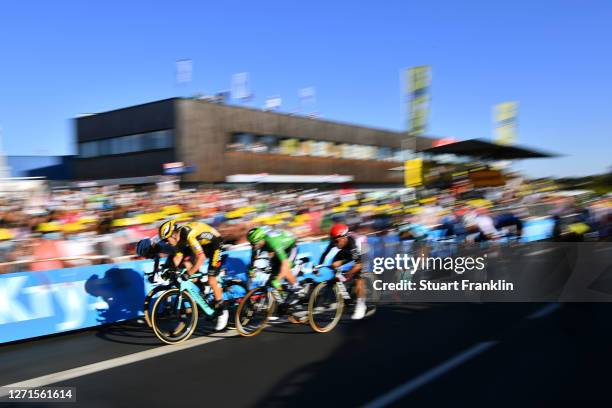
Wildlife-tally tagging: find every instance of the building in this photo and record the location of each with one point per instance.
(223, 143)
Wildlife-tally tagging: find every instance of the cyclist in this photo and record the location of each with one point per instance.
(152, 248)
(509, 220)
(282, 249)
(348, 251)
(199, 242)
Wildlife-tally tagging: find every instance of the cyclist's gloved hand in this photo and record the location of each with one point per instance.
(185, 276)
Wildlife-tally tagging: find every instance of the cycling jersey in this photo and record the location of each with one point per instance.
(508, 220)
(350, 252)
(157, 248)
(199, 238)
(282, 244)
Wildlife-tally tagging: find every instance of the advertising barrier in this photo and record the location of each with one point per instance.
(35, 304)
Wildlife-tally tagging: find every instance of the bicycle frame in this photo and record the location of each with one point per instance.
(338, 279)
(191, 288)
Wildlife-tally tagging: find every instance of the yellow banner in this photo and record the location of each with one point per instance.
(413, 172)
(418, 80)
(505, 117)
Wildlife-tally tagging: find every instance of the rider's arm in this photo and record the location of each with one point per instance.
(285, 268)
(199, 260)
(355, 253)
(198, 252)
(156, 264)
(177, 259)
(280, 253)
(355, 269)
(324, 255)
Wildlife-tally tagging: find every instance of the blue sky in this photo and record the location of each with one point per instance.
(60, 59)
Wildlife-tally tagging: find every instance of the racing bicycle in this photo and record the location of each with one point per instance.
(268, 298)
(175, 312)
(167, 278)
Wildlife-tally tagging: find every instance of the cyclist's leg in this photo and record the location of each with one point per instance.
(277, 267)
(360, 294)
(214, 267)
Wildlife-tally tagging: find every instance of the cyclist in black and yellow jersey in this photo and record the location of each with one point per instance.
(195, 242)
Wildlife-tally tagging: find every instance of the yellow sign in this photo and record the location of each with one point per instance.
(413, 172)
(505, 115)
(418, 80)
(288, 146)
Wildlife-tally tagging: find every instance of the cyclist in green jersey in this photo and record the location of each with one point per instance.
(282, 249)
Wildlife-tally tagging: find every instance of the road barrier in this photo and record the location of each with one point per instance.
(40, 303)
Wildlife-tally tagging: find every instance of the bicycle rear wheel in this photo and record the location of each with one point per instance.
(174, 317)
(325, 307)
(254, 311)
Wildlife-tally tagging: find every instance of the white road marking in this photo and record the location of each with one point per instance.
(115, 362)
(428, 376)
(545, 311)
(439, 370)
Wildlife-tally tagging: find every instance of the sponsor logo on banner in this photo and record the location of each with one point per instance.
(505, 117)
(413, 172)
(417, 82)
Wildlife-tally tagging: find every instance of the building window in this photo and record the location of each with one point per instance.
(88, 149)
(162, 139)
(248, 142)
(269, 143)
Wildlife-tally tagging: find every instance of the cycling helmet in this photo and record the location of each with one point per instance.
(255, 235)
(143, 248)
(338, 230)
(166, 229)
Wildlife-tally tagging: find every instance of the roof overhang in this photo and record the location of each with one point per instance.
(489, 151)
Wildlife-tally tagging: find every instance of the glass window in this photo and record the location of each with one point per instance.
(161, 139)
(270, 143)
(242, 141)
(115, 145)
(167, 139)
(134, 143)
(384, 153)
(88, 149)
(156, 140)
(104, 147)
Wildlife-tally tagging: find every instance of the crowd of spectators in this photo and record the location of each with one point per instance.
(53, 229)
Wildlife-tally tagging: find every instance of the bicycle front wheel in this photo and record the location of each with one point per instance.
(174, 317)
(150, 300)
(254, 311)
(233, 292)
(325, 307)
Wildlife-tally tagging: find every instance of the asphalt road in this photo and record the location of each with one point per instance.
(405, 355)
